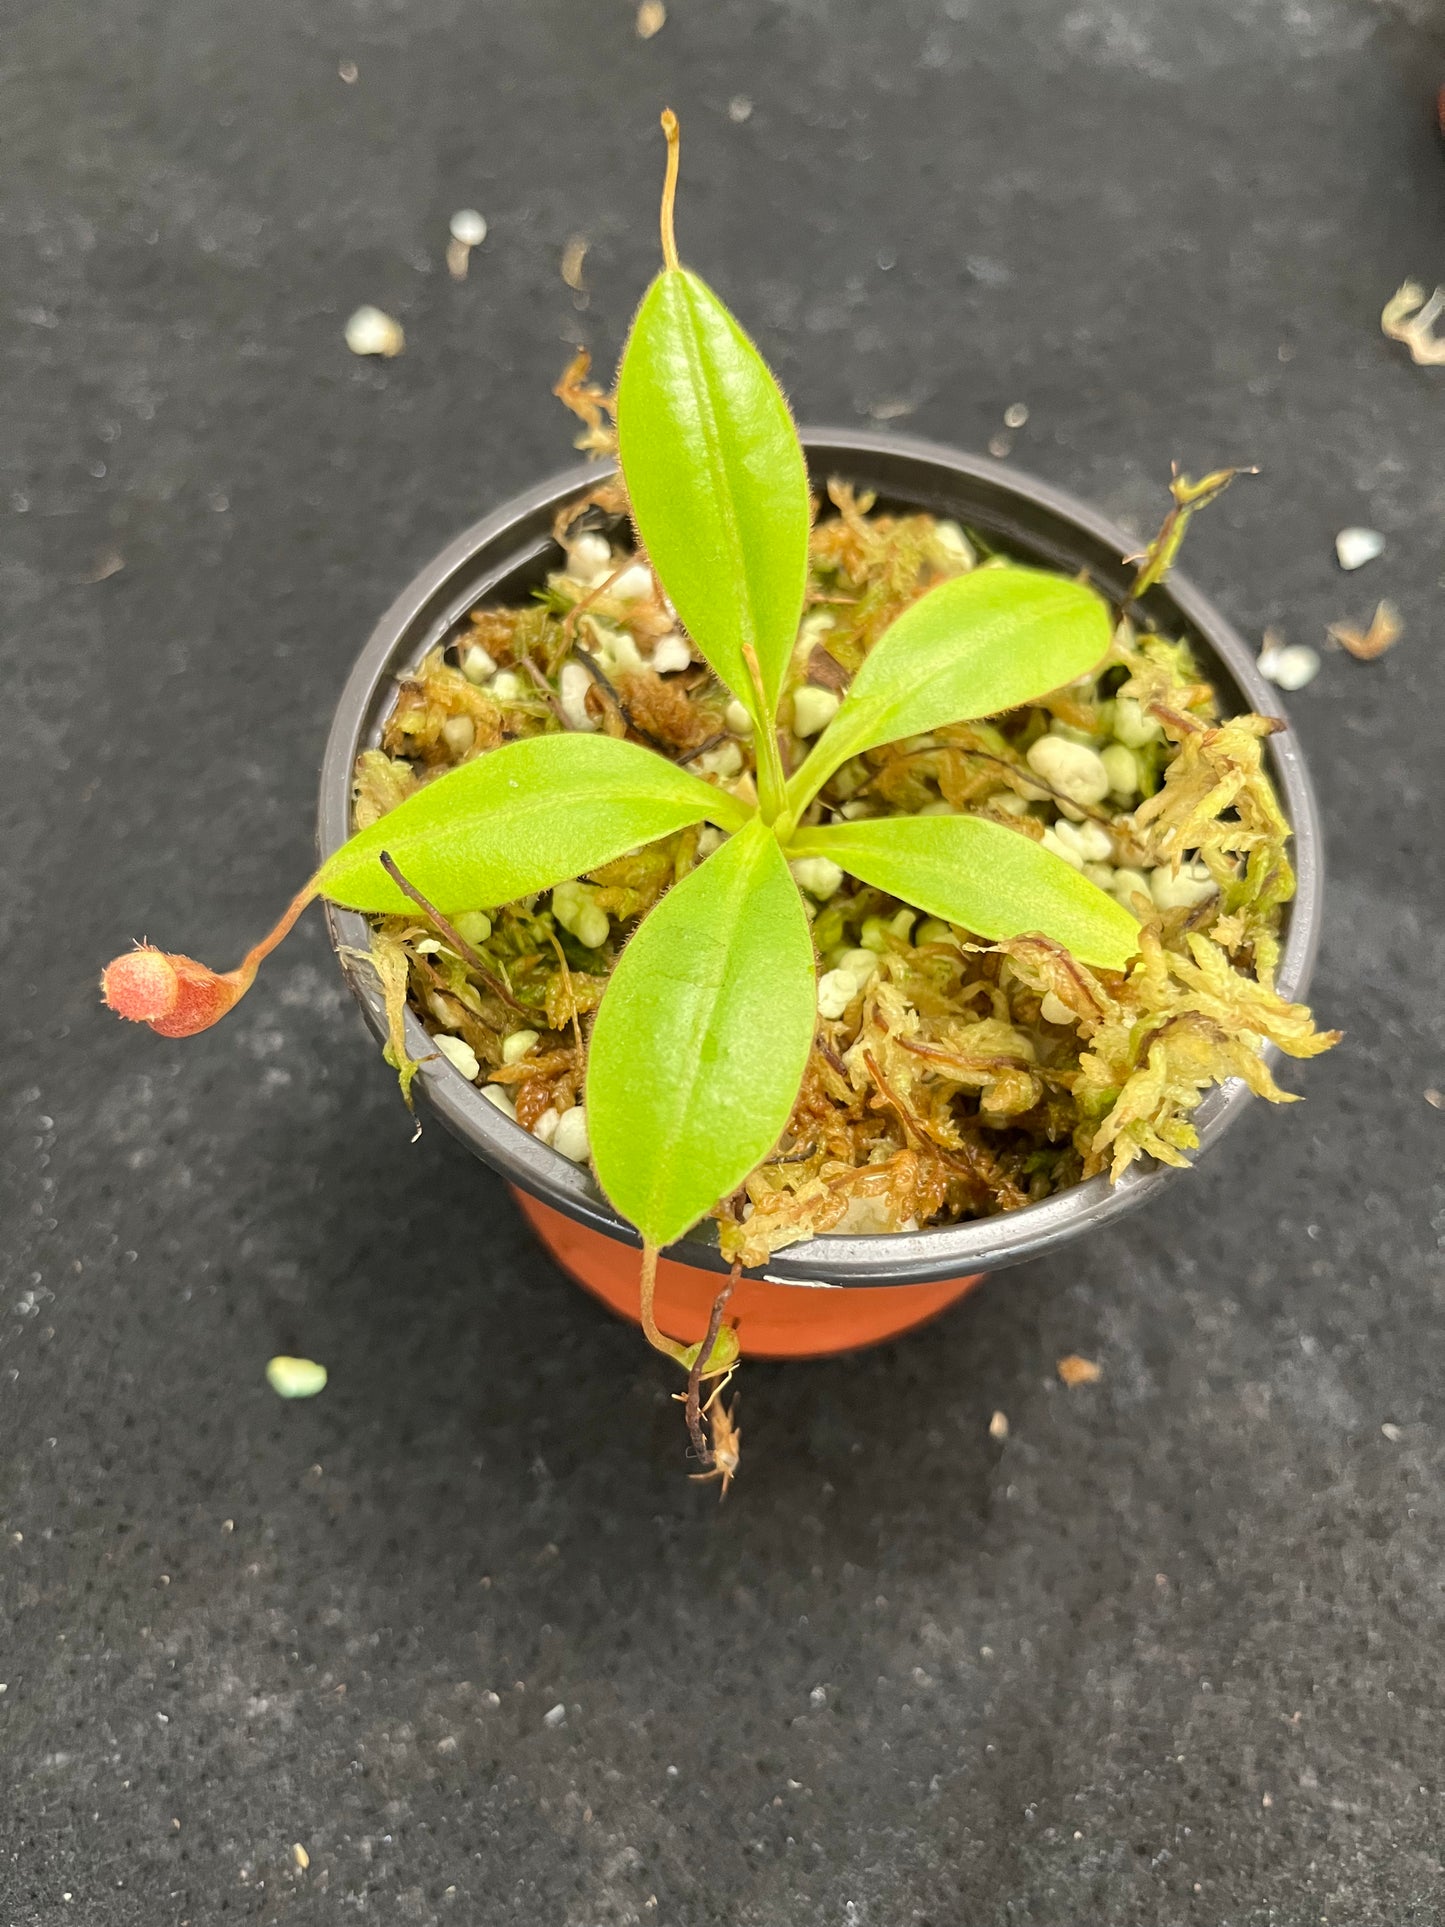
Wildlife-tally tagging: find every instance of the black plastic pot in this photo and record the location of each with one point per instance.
(507, 553)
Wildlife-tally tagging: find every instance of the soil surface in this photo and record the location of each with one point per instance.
(458, 1634)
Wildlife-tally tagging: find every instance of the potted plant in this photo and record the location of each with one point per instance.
(855, 885)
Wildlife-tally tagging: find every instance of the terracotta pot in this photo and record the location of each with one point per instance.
(829, 1294)
(774, 1319)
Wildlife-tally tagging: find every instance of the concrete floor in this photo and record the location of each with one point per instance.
(1170, 1654)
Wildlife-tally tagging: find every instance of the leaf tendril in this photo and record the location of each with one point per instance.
(669, 186)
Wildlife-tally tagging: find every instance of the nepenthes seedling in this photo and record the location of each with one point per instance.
(700, 1043)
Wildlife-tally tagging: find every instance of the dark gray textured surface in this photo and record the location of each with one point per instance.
(1169, 1655)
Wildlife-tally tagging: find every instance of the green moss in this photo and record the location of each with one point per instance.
(963, 1079)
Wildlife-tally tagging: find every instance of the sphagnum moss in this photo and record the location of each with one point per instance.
(950, 1079)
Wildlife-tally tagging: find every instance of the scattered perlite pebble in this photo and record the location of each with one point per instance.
(998, 1426)
(651, 19)
(1356, 547)
(554, 1715)
(1133, 727)
(1129, 884)
(1435, 1099)
(861, 965)
(1288, 665)
(1392, 1432)
(468, 231)
(1270, 645)
(1182, 890)
(1091, 840)
(1000, 446)
(348, 72)
(836, 990)
(301, 1856)
(468, 227)
(515, 1047)
(725, 761)
(1056, 846)
(589, 557)
(576, 909)
(814, 709)
(1122, 768)
(614, 649)
(670, 653)
(1016, 415)
(818, 1696)
(1070, 769)
(934, 930)
(820, 876)
(739, 108)
(570, 1137)
(371, 332)
(573, 685)
(459, 1054)
(950, 545)
(634, 582)
(295, 1377)
(501, 1097)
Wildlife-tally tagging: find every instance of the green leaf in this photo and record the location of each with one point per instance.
(522, 818)
(975, 645)
(702, 1038)
(995, 882)
(716, 477)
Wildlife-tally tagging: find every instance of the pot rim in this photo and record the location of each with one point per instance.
(435, 601)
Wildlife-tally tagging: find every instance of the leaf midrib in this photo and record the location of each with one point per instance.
(737, 908)
(444, 840)
(703, 388)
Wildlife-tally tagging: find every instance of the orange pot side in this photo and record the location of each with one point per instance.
(773, 1321)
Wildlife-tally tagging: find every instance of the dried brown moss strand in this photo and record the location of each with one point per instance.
(452, 936)
(694, 1378)
(669, 187)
